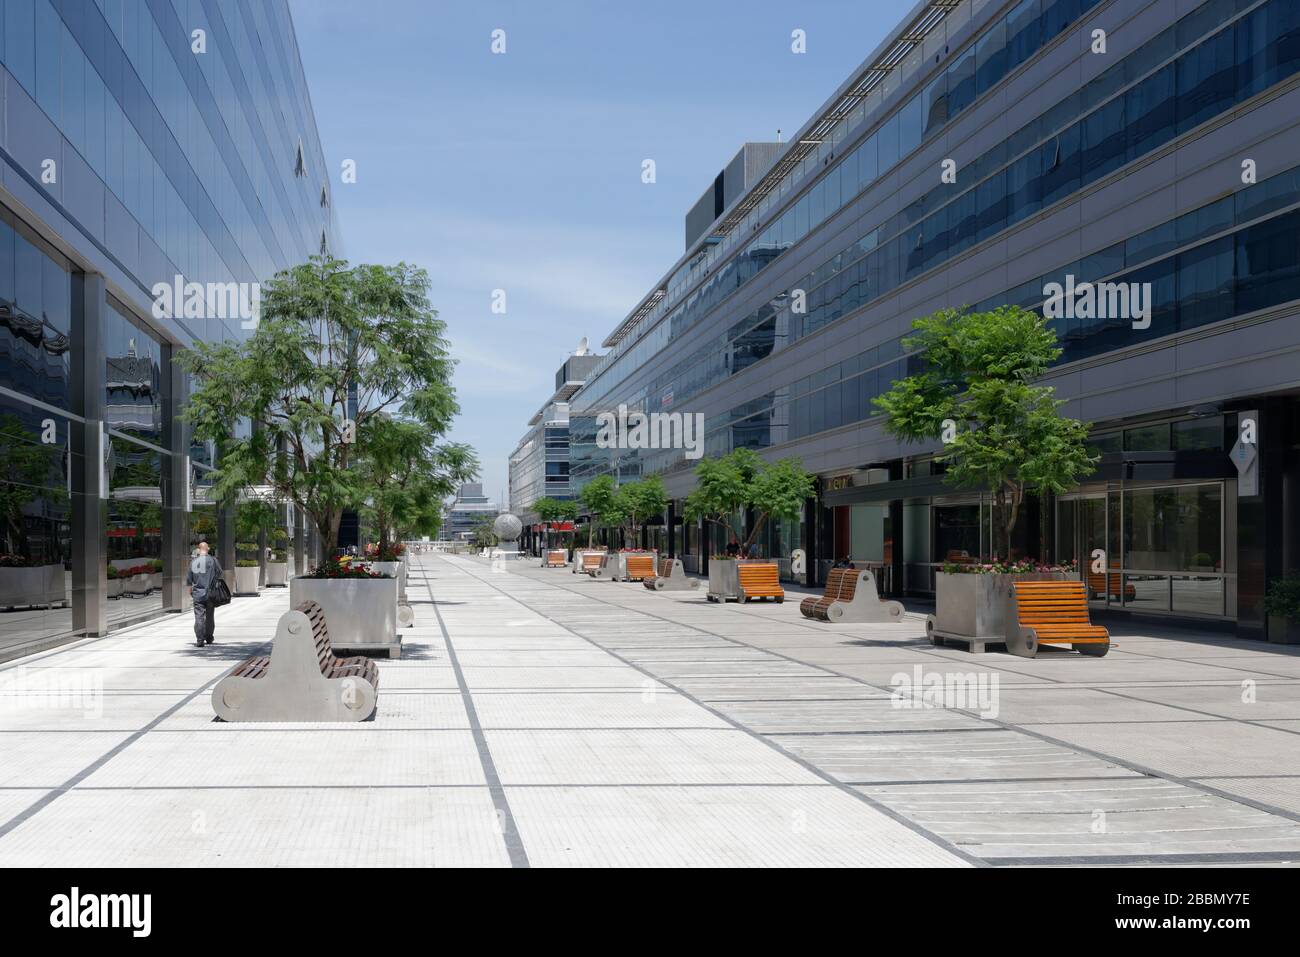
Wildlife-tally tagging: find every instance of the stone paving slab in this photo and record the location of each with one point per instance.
(713, 827)
(1190, 748)
(262, 827)
(538, 718)
(591, 710)
(340, 755)
(1092, 818)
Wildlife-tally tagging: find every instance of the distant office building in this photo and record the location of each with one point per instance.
(126, 161)
(469, 508)
(1169, 160)
(539, 465)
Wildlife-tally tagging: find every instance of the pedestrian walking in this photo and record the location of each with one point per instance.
(204, 571)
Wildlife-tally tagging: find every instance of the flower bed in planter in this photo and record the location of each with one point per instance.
(360, 606)
(973, 602)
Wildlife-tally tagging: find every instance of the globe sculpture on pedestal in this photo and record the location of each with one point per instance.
(508, 528)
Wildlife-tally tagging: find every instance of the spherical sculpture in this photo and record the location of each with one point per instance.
(507, 527)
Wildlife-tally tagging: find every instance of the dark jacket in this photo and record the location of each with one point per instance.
(204, 570)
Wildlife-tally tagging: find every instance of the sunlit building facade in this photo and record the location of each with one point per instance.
(140, 142)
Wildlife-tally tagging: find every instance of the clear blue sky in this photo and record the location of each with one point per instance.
(522, 171)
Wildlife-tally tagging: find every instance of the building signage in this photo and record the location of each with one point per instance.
(837, 482)
(1245, 453)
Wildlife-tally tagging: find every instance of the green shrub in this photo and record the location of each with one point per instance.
(1283, 598)
(112, 572)
(246, 563)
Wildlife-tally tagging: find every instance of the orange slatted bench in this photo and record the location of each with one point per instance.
(556, 558)
(1054, 613)
(591, 561)
(640, 567)
(759, 580)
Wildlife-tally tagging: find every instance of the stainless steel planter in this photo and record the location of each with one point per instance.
(360, 613)
(246, 580)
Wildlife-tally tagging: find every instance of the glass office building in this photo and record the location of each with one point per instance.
(1125, 141)
(141, 141)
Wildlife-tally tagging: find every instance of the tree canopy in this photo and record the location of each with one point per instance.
(340, 353)
(1004, 433)
(726, 486)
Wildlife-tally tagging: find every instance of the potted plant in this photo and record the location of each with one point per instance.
(277, 563)
(1282, 603)
(725, 488)
(360, 604)
(337, 349)
(247, 568)
(632, 504)
(1000, 432)
(977, 594)
(114, 583)
(387, 559)
(597, 497)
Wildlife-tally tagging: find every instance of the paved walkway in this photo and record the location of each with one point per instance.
(542, 718)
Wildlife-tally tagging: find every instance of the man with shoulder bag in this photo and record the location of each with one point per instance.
(208, 589)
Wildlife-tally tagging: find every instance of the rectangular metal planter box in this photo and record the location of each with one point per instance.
(277, 574)
(724, 576)
(397, 570)
(246, 580)
(976, 605)
(361, 613)
(32, 586)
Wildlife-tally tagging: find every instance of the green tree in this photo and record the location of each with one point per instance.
(637, 501)
(598, 497)
(408, 474)
(484, 534)
(550, 510)
(338, 348)
(726, 486)
(1005, 434)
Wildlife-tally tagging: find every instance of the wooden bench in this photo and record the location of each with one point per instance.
(759, 580)
(301, 680)
(1053, 613)
(671, 577)
(850, 596)
(591, 561)
(580, 555)
(555, 558)
(640, 568)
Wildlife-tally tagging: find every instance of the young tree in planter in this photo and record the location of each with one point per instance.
(637, 501)
(408, 475)
(551, 510)
(336, 346)
(1009, 434)
(778, 491)
(598, 497)
(722, 490)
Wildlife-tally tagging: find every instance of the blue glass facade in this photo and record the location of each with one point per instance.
(142, 140)
(1124, 167)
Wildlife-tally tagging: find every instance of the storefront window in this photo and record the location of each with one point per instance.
(134, 530)
(35, 525)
